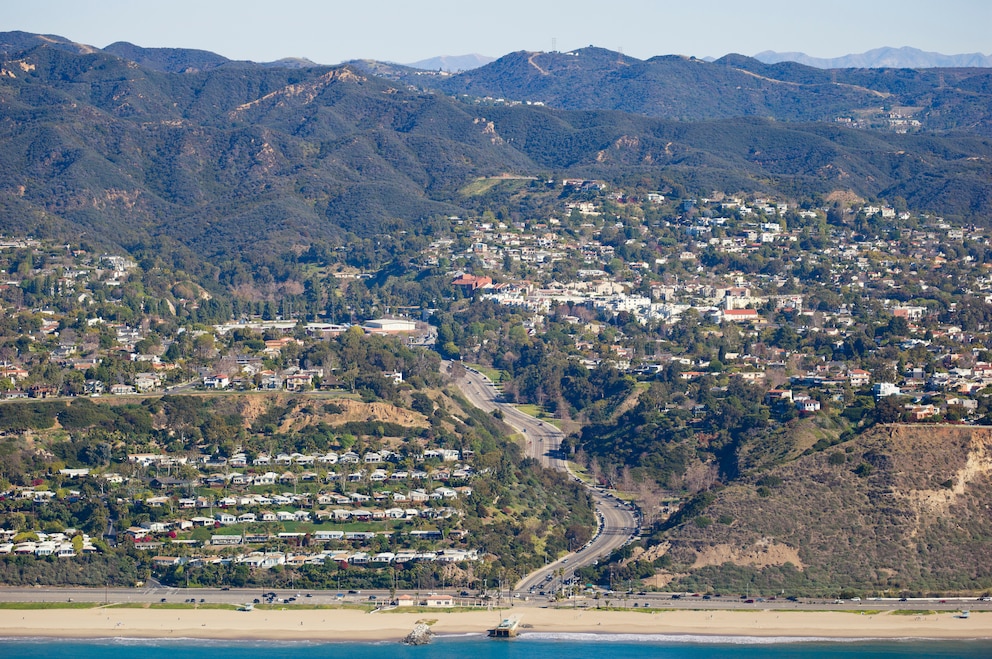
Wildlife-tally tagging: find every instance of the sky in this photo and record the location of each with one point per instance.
(404, 31)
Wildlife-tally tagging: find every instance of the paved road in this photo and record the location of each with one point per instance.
(618, 523)
(237, 596)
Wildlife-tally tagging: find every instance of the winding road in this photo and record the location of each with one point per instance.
(618, 522)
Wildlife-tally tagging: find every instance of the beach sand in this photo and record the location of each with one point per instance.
(357, 625)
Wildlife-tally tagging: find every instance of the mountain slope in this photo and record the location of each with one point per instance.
(452, 63)
(243, 161)
(902, 58)
(901, 508)
(734, 86)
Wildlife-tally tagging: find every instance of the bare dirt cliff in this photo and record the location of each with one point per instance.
(899, 508)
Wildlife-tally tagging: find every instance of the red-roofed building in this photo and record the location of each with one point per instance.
(471, 282)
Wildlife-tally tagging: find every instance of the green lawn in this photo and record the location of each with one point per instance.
(538, 412)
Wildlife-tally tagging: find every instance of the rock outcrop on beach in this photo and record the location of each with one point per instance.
(421, 635)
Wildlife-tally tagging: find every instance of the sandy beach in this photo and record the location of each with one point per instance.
(357, 625)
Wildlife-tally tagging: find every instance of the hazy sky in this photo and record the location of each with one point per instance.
(329, 31)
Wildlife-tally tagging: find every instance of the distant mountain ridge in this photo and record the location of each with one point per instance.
(686, 88)
(453, 63)
(242, 161)
(878, 58)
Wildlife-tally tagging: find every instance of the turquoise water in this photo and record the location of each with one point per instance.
(533, 646)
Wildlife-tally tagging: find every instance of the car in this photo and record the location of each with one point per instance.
(162, 600)
(309, 595)
(749, 601)
(354, 592)
(226, 588)
(202, 600)
(256, 601)
(903, 599)
(372, 598)
(706, 597)
(465, 593)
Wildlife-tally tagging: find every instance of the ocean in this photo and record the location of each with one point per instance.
(527, 646)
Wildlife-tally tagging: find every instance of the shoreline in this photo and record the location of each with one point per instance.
(348, 625)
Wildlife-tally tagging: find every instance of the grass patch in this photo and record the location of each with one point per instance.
(173, 606)
(435, 609)
(538, 412)
(493, 374)
(482, 185)
(25, 606)
(313, 607)
(532, 410)
(913, 612)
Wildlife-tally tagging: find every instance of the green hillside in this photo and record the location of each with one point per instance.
(239, 163)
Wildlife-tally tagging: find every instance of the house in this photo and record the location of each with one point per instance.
(225, 539)
(147, 381)
(299, 382)
(807, 404)
(884, 389)
(470, 283)
(440, 601)
(921, 412)
(216, 381)
(859, 377)
(736, 316)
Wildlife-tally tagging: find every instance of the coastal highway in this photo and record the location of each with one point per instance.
(618, 522)
(308, 598)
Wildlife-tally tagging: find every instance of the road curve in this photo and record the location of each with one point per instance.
(618, 523)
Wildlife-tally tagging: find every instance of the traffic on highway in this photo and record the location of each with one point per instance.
(618, 521)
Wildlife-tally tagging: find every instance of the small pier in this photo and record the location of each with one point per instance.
(505, 629)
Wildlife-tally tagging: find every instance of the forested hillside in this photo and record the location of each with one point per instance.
(239, 163)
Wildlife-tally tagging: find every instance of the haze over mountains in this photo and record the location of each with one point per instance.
(902, 58)
(453, 63)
